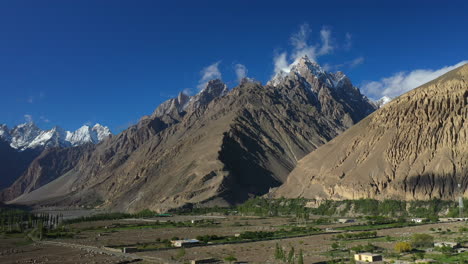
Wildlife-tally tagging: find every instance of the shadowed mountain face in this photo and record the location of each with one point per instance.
(13, 162)
(414, 147)
(218, 147)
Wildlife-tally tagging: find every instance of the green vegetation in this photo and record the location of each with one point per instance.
(275, 207)
(393, 208)
(230, 258)
(461, 258)
(353, 236)
(260, 235)
(422, 240)
(369, 247)
(149, 225)
(374, 227)
(290, 257)
(115, 216)
(401, 247)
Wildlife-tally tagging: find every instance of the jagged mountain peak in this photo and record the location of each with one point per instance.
(303, 69)
(88, 134)
(382, 101)
(30, 136)
(414, 148)
(174, 107)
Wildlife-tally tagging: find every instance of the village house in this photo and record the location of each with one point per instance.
(345, 221)
(368, 257)
(185, 242)
(417, 220)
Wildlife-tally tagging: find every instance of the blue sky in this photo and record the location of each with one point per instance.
(68, 63)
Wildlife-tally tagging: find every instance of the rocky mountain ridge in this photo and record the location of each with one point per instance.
(218, 147)
(29, 136)
(413, 148)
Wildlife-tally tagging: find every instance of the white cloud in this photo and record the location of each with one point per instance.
(348, 41)
(403, 82)
(241, 71)
(357, 61)
(28, 118)
(188, 91)
(348, 64)
(43, 118)
(209, 73)
(281, 63)
(301, 46)
(325, 36)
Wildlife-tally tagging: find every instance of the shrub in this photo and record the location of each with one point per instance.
(422, 240)
(401, 247)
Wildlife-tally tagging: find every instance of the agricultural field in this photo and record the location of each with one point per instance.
(224, 235)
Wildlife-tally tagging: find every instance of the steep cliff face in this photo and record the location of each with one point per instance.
(215, 148)
(414, 147)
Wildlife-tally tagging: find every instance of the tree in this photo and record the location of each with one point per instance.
(419, 255)
(291, 255)
(401, 247)
(300, 258)
(230, 258)
(422, 240)
(335, 246)
(279, 253)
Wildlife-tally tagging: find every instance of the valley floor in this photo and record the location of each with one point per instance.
(92, 242)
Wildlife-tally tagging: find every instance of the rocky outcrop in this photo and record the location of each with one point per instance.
(414, 147)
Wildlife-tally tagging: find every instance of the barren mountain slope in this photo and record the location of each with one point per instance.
(216, 148)
(415, 147)
(46, 167)
(13, 162)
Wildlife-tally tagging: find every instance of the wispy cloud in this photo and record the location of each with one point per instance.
(347, 64)
(327, 47)
(357, 61)
(33, 98)
(301, 46)
(28, 118)
(281, 62)
(209, 73)
(44, 119)
(241, 71)
(402, 82)
(348, 41)
(188, 91)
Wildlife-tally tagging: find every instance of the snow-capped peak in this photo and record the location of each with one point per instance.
(304, 68)
(5, 133)
(382, 101)
(102, 132)
(29, 136)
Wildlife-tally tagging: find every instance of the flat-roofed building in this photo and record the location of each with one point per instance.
(368, 257)
(185, 242)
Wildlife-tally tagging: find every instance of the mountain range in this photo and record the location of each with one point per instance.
(306, 133)
(413, 148)
(218, 147)
(29, 136)
(20, 145)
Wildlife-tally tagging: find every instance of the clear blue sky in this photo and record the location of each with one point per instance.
(67, 63)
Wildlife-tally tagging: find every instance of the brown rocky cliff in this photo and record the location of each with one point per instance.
(415, 147)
